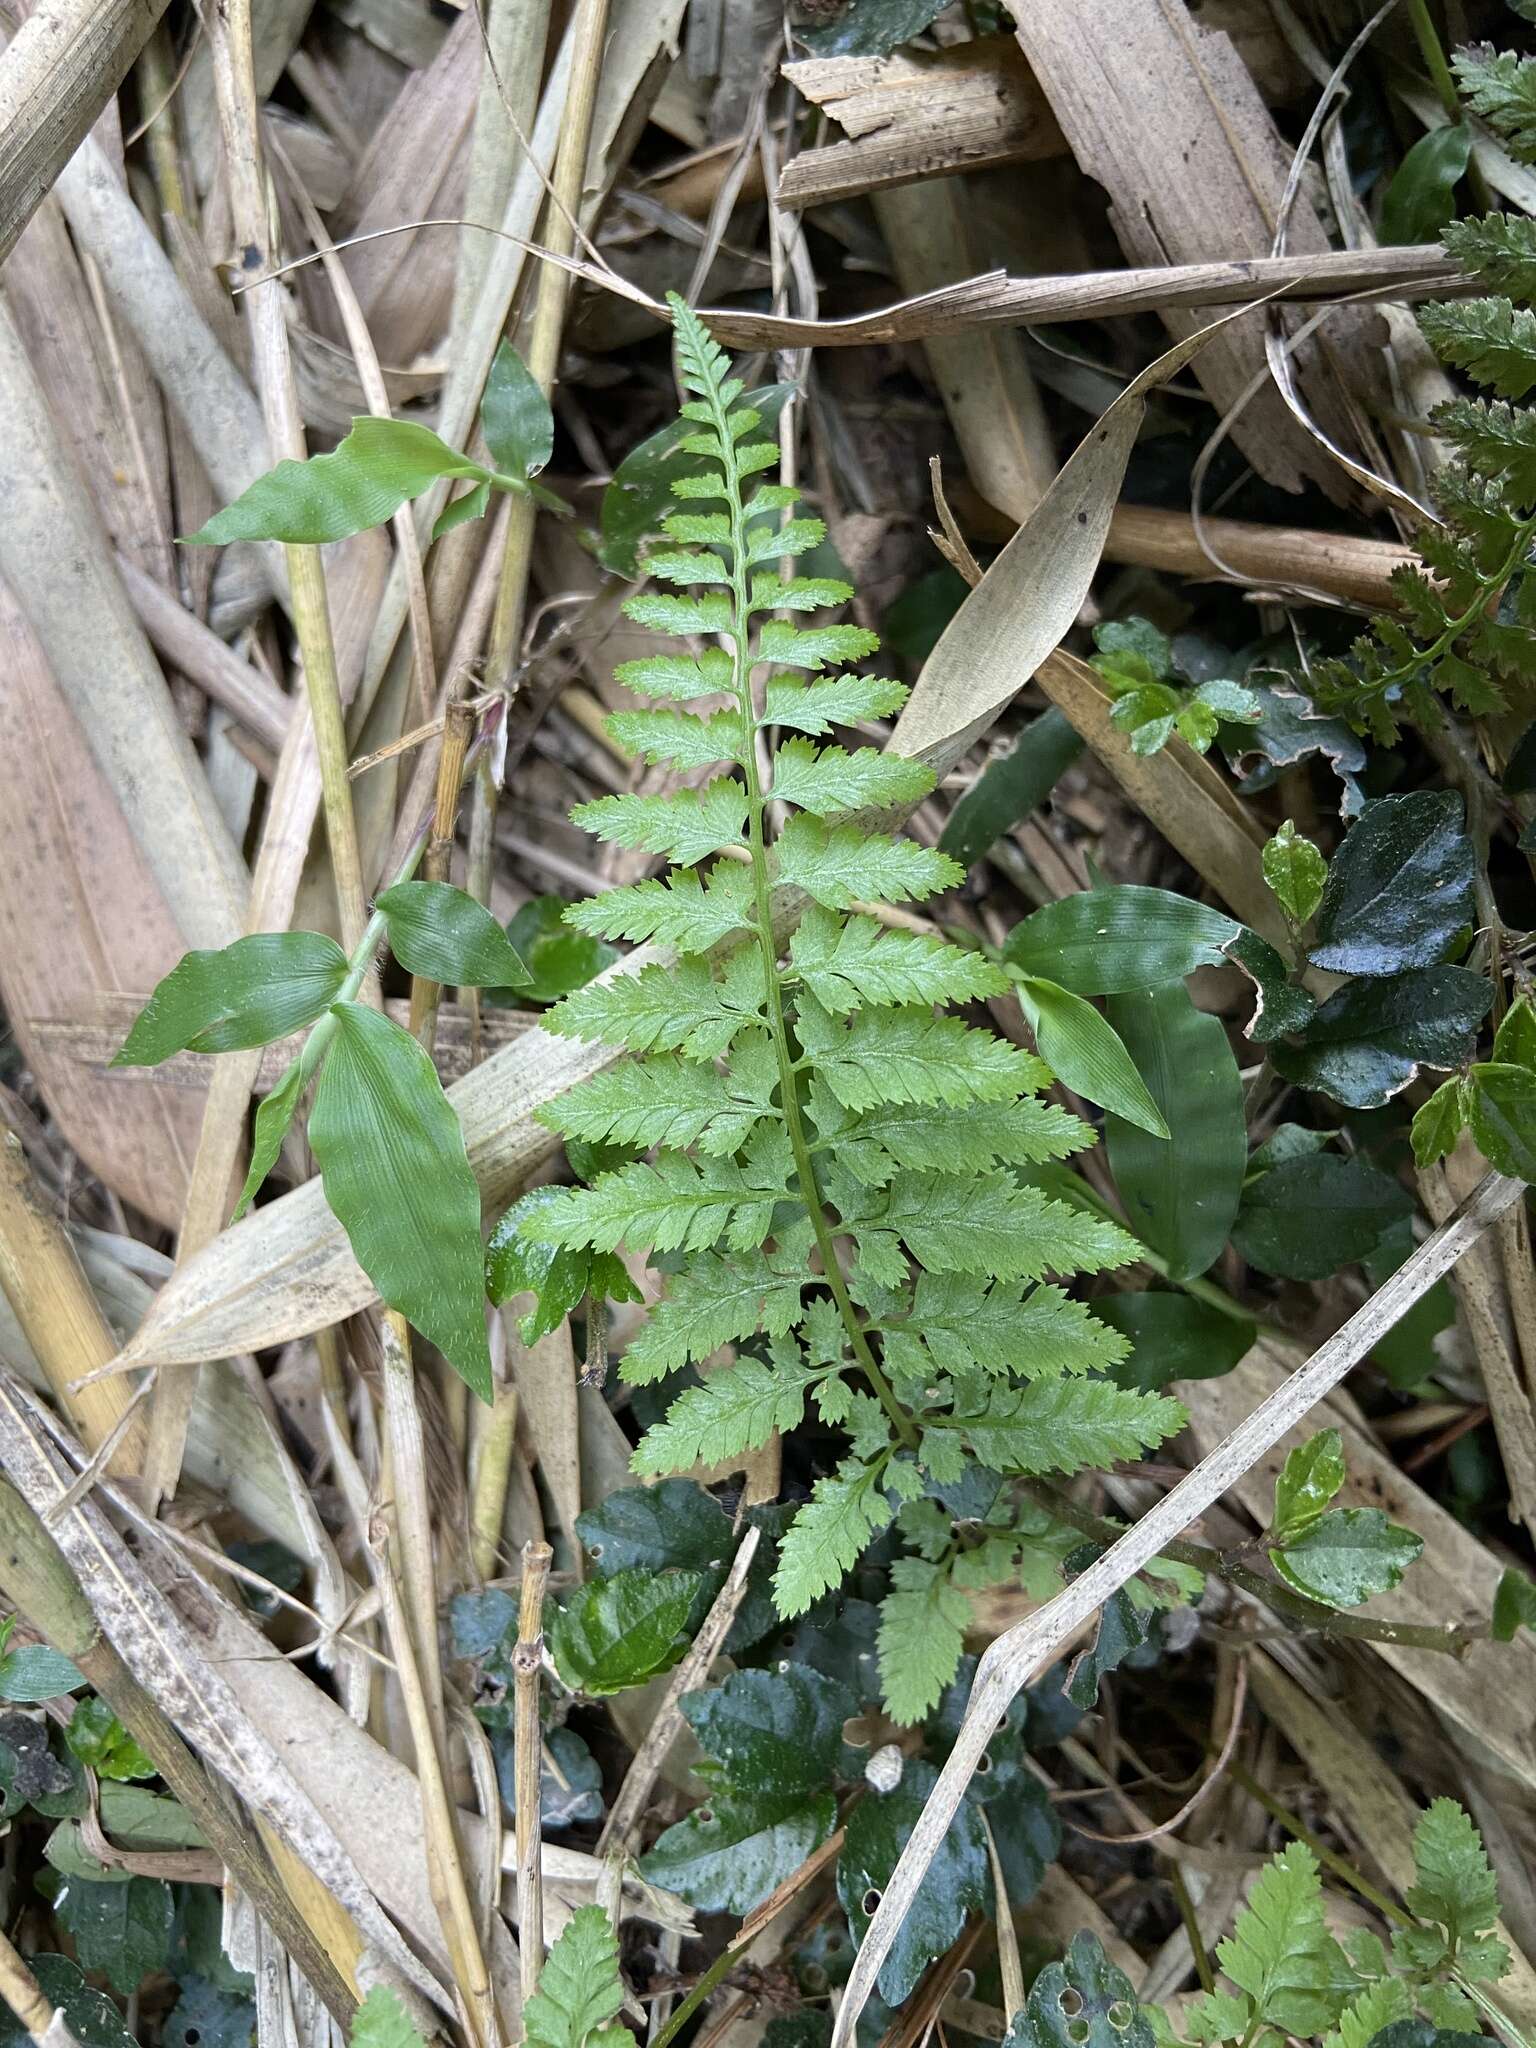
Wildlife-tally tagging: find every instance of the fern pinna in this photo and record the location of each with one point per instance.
(833, 1179)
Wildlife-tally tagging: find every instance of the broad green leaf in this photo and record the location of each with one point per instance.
(673, 1523)
(1174, 1338)
(260, 988)
(1067, 1425)
(844, 1513)
(580, 1989)
(826, 779)
(1311, 1476)
(1295, 872)
(121, 1930)
(1306, 1218)
(558, 958)
(1119, 938)
(957, 1883)
(103, 1744)
(381, 2021)
(274, 1117)
(838, 865)
(615, 1633)
(34, 1673)
(870, 28)
(90, 2015)
(849, 961)
(1439, 1122)
(206, 2017)
(1181, 1194)
(397, 1178)
(443, 934)
(684, 1007)
(462, 510)
(1502, 1113)
(728, 1856)
(1514, 1605)
(1281, 1953)
(1083, 1050)
(1368, 1041)
(686, 826)
(1514, 1043)
(1422, 195)
(1399, 889)
(1281, 1007)
(734, 1410)
(838, 700)
(379, 466)
(1011, 788)
(773, 1732)
(515, 418)
(1347, 1556)
(1081, 2002)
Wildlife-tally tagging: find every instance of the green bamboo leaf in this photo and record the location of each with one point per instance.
(379, 466)
(260, 988)
(273, 1117)
(515, 418)
(395, 1173)
(1086, 1052)
(1110, 940)
(460, 511)
(442, 933)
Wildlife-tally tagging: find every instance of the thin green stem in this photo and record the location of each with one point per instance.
(1434, 58)
(762, 888)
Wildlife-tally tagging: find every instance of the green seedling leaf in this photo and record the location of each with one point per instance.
(1441, 1120)
(1174, 1337)
(1399, 889)
(274, 1117)
(1295, 872)
(1514, 1605)
(1280, 1953)
(1120, 938)
(103, 1744)
(1011, 788)
(958, 1881)
(1502, 1112)
(381, 2021)
(442, 933)
(121, 1930)
(398, 1180)
(1422, 195)
(461, 511)
(580, 1989)
(616, 1633)
(515, 418)
(1307, 1217)
(91, 2017)
(35, 1672)
(1081, 2002)
(1311, 1476)
(379, 466)
(1347, 1556)
(559, 1277)
(1083, 1050)
(1181, 1194)
(1455, 1898)
(247, 994)
(1369, 1040)
(1514, 1043)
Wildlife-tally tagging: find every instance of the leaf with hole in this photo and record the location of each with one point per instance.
(1081, 2002)
(958, 1880)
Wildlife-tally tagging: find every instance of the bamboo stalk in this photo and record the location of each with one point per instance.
(494, 1442)
(527, 1658)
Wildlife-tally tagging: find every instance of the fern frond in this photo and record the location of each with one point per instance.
(839, 865)
(678, 736)
(1067, 1425)
(1500, 249)
(912, 1056)
(1496, 439)
(1502, 88)
(923, 1620)
(845, 1512)
(797, 537)
(683, 1008)
(816, 647)
(948, 1138)
(732, 1411)
(714, 1301)
(815, 708)
(800, 594)
(687, 826)
(826, 779)
(848, 962)
(688, 912)
(664, 1100)
(686, 567)
(677, 675)
(959, 1323)
(987, 1223)
(1492, 340)
(675, 1204)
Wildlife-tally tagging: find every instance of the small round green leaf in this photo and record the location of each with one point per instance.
(1502, 1113)
(1311, 1476)
(1348, 1556)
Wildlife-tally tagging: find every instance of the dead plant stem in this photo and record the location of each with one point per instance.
(527, 1658)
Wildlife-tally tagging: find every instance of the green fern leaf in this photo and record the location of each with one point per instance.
(686, 912)
(847, 962)
(1496, 439)
(1502, 88)
(953, 1223)
(663, 614)
(687, 826)
(686, 566)
(1500, 249)
(951, 1139)
(677, 675)
(664, 1100)
(845, 1512)
(1493, 341)
(682, 1008)
(828, 779)
(912, 1056)
(713, 1301)
(1067, 1425)
(959, 1323)
(801, 594)
(1281, 1953)
(381, 2021)
(707, 528)
(1379, 2005)
(678, 736)
(579, 1987)
(838, 865)
(815, 648)
(798, 537)
(923, 1620)
(675, 1204)
(730, 1412)
(1455, 1891)
(816, 708)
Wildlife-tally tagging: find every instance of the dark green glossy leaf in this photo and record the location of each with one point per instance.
(914, 622)
(1181, 1194)
(1368, 1040)
(1406, 1353)
(1306, 1218)
(616, 1633)
(871, 28)
(1417, 2033)
(121, 1930)
(442, 933)
(34, 1672)
(1176, 1338)
(570, 1779)
(639, 496)
(1295, 872)
(515, 418)
(1010, 789)
(839, 1637)
(775, 1732)
(205, 2017)
(1422, 195)
(1025, 1828)
(1290, 730)
(379, 466)
(672, 1523)
(1310, 1477)
(558, 1278)
(1118, 938)
(1082, 1049)
(1280, 1008)
(103, 1744)
(397, 1177)
(728, 1856)
(1502, 1113)
(558, 958)
(957, 1881)
(91, 2017)
(260, 988)
(1121, 1628)
(1347, 1556)
(1399, 888)
(1514, 1605)
(1081, 2002)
